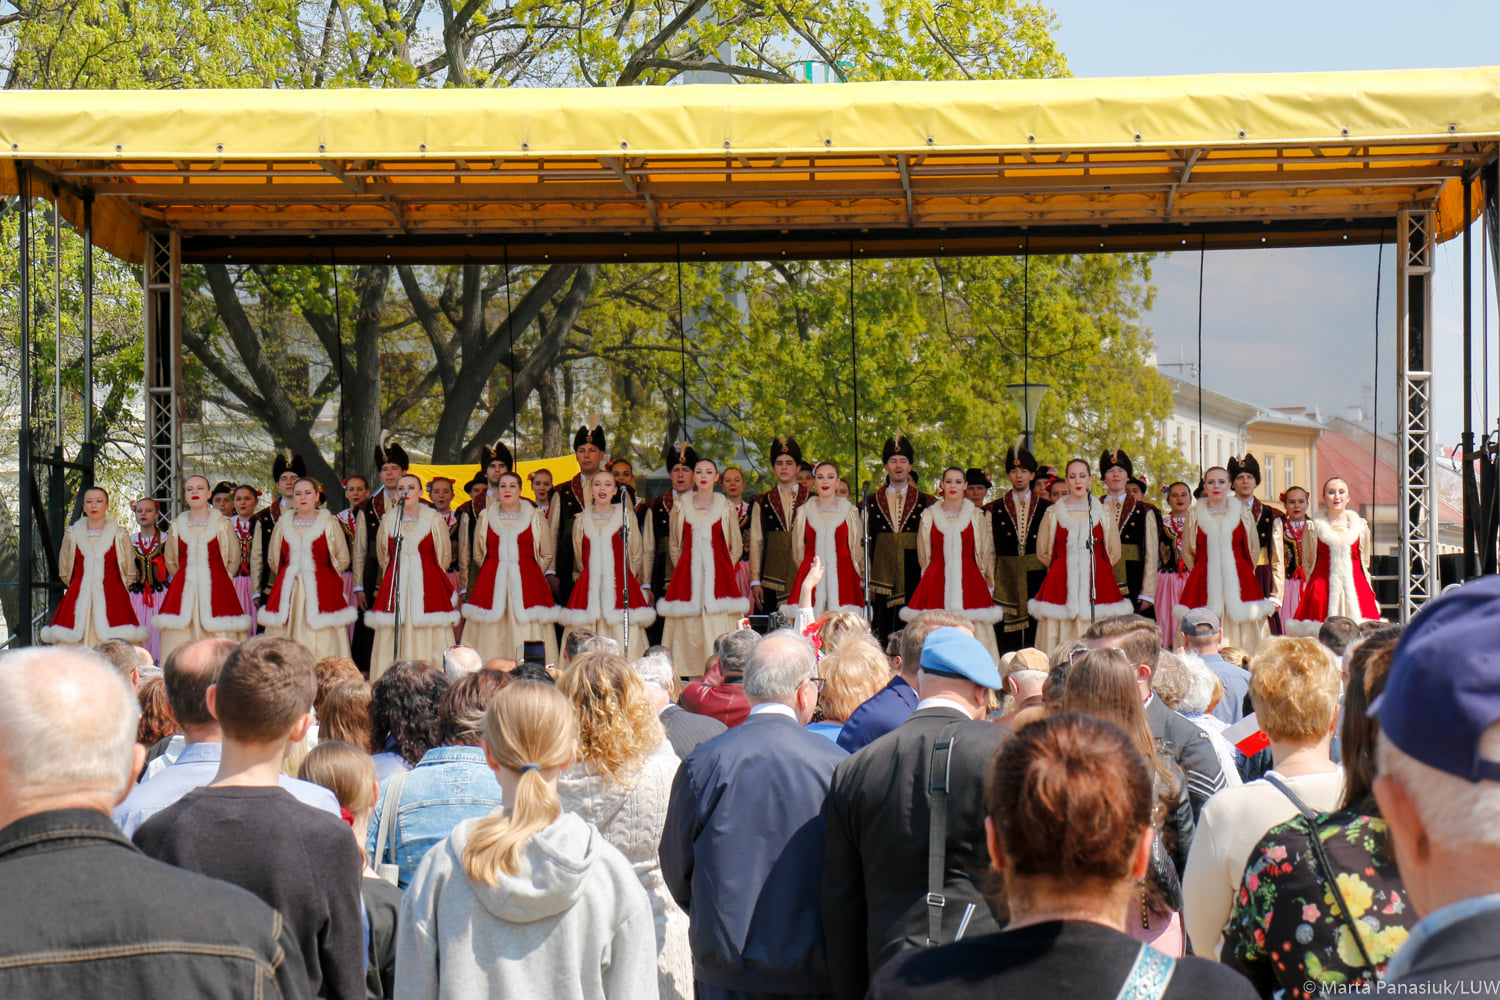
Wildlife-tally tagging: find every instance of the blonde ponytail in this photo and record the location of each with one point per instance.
(528, 723)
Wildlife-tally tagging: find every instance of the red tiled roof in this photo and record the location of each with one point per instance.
(1339, 455)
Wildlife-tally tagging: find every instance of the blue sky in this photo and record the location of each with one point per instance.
(1296, 327)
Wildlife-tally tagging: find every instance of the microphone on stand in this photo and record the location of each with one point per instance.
(625, 515)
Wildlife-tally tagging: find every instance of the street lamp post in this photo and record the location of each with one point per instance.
(1028, 399)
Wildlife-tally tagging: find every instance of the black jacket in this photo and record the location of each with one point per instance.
(1457, 958)
(875, 869)
(1190, 748)
(685, 730)
(742, 853)
(88, 915)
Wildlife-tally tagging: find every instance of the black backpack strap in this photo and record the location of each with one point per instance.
(1327, 870)
(937, 830)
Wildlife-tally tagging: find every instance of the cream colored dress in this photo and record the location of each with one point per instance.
(424, 635)
(324, 631)
(693, 624)
(503, 628)
(1052, 628)
(950, 536)
(1245, 622)
(197, 538)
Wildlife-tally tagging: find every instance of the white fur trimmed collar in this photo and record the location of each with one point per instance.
(299, 542)
(704, 579)
(1221, 577)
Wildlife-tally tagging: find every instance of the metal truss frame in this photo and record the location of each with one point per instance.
(1416, 493)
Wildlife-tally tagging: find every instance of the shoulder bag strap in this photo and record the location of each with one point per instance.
(937, 830)
(1149, 977)
(388, 817)
(1328, 871)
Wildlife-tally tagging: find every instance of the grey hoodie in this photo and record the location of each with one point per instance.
(572, 924)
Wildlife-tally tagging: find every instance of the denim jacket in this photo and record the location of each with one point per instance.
(88, 915)
(449, 785)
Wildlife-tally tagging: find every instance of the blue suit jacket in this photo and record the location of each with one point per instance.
(886, 709)
(742, 852)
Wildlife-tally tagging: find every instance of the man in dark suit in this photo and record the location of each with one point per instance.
(742, 849)
(1439, 790)
(887, 822)
(685, 730)
(1140, 640)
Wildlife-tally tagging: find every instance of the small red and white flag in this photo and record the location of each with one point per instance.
(1246, 736)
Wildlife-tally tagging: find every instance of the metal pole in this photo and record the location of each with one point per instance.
(23, 627)
(88, 337)
(56, 514)
(1471, 488)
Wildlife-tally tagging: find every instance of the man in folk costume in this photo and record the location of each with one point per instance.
(656, 531)
(1270, 568)
(891, 525)
(771, 517)
(976, 487)
(285, 470)
(1136, 520)
(391, 460)
(470, 523)
(495, 461)
(572, 498)
(1014, 520)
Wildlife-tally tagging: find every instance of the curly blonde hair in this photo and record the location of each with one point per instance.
(853, 672)
(836, 624)
(617, 727)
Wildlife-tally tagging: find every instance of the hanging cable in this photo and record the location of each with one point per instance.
(338, 328)
(681, 348)
(1026, 342)
(854, 361)
(510, 357)
(1202, 441)
(1375, 403)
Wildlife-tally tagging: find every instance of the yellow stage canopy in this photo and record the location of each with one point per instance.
(563, 468)
(749, 171)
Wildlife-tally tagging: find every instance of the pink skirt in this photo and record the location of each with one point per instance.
(247, 598)
(1168, 596)
(742, 574)
(143, 614)
(1291, 597)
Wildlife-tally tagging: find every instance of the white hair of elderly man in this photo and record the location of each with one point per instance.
(460, 661)
(67, 731)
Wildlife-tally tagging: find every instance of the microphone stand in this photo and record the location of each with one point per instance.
(396, 581)
(626, 513)
(865, 523)
(1089, 544)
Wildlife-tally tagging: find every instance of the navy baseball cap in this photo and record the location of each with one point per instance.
(952, 652)
(1444, 686)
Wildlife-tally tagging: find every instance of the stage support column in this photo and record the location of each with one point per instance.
(164, 369)
(1416, 498)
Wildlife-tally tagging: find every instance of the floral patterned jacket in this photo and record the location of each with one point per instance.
(1285, 933)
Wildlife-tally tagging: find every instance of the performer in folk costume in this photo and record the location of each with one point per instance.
(1136, 521)
(955, 548)
(605, 567)
(222, 499)
(1171, 575)
(245, 520)
(570, 499)
(356, 492)
(470, 523)
(415, 608)
(440, 493)
(771, 517)
(147, 551)
(511, 600)
(1014, 521)
(202, 553)
(977, 487)
(891, 522)
(1336, 556)
(392, 462)
(285, 471)
(1220, 547)
(1270, 565)
(1074, 531)
(495, 460)
(656, 533)
(733, 481)
(308, 559)
(703, 599)
(829, 528)
(1293, 530)
(95, 562)
(625, 476)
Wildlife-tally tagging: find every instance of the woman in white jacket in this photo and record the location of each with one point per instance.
(621, 783)
(528, 901)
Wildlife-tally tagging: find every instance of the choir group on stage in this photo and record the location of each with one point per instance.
(399, 576)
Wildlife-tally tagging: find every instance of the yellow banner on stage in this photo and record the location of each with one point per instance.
(563, 468)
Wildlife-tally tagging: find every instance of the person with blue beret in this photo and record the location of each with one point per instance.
(1439, 789)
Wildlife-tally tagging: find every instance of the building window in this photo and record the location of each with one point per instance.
(1270, 483)
(1291, 473)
